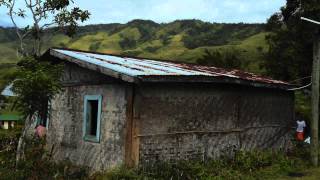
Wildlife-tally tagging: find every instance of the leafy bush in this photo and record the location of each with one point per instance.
(36, 83)
(128, 43)
(118, 173)
(243, 165)
(206, 34)
(95, 46)
(228, 59)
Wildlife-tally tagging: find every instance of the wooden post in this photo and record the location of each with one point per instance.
(315, 101)
(129, 123)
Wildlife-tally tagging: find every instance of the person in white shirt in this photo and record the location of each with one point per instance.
(301, 124)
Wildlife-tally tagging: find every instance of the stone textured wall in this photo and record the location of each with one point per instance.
(65, 133)
(206, 121)
(75, 75)
(169, 121)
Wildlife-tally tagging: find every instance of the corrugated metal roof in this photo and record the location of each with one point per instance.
(10, 117)
(143, 68)
(132, 66)
(8, 91)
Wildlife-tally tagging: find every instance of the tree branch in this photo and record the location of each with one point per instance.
(11, 5)
(37, 39)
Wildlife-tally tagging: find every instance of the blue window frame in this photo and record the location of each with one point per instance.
(92, 118)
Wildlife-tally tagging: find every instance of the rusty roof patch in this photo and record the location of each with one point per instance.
(144, 68)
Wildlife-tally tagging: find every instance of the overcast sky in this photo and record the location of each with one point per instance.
(122, 11)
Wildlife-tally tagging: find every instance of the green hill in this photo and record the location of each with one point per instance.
(181, 40)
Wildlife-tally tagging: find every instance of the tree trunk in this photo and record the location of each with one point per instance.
(22, 140)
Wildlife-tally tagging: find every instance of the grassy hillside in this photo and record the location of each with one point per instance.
(183, 40)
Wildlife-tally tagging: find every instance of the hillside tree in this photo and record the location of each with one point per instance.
(37, 81)
(291, 40)
(224, 59)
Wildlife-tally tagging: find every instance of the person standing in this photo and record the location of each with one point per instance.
(301, 124)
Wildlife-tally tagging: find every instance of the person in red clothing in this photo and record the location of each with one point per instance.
(301, 124)
(40, 131)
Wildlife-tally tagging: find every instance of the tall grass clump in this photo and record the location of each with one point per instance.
(243, 165)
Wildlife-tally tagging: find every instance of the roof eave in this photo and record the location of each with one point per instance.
(210, 79)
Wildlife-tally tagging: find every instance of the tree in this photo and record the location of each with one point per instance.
(291, 40)
(293, 44)
(37, 81)
(227, 59)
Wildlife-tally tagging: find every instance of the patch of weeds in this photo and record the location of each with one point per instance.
(118, 173)
(37, 164)
(243, 165)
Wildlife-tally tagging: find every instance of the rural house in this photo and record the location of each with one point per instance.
(8, 121)
(122, 110)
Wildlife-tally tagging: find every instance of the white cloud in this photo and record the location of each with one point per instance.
(122, 11)
(188, 9)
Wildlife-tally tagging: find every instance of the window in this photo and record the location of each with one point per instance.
(92, 112)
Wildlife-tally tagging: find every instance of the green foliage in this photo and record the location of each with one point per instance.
(302, 105)
(146, 28)
(67, 19)
(127, 43)
(62, 44)
(228, 59)
(152, 40)
(38, 81)
(206, 34)
(7, 74)
(152, 49)
(37, 165)
(291, 40)
(131, 53)
(163, 41)
(244, 165)
(94, 46)
(118, 173)
(35, 85)
(61, 15)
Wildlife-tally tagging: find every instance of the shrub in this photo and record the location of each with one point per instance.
(37, 164)
(95, 46)
(227, 59)
(128, 43)
(242, 165)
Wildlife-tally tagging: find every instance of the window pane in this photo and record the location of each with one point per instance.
(92, 117)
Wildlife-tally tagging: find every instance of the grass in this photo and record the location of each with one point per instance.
(37, 164)
(309, 174)
(7, 71)
(250, 49)
(244, 165)
(8, 52)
